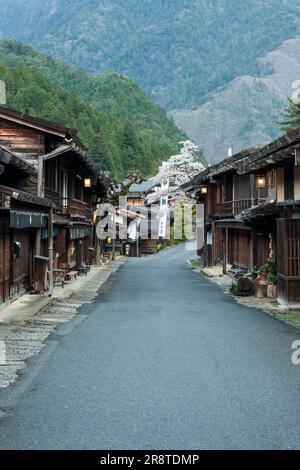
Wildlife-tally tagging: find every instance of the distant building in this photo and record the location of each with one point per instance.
(138, 192)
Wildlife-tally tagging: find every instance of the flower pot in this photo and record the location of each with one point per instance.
(261, 289)
(271, 291)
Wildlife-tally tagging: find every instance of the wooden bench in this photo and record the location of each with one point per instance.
(71, 276)
(59, 277)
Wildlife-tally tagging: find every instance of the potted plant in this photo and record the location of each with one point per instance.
(254, 274)
(271, 267)
(267, 269)
(272, 285)
(262, 273)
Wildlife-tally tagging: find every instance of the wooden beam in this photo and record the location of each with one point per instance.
(51, 254)
(40, 182)
(33, 125)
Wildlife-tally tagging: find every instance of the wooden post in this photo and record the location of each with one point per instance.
(114, 234)
(253, 251)
(205, 250)
(40, 193)
(225, 248)
(97, 250)
(252, 189)
(51, 257)
(40, 182)
(213, 246)
(137, 238)
(38, 236)
(97, 243)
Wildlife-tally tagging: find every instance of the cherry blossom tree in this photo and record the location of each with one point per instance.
(173, 173)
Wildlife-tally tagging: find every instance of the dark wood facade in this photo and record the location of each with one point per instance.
(5, 255)
(43, 167)
(252, 211)
(288, 258)
(21, 219)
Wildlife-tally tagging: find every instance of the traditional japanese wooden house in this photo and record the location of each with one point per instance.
(252, 211)
(138, 192)
(72, 182)
(22, 217)
(137, 199)
(278, 165)
(44, 167)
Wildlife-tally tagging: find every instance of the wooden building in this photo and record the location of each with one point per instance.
(252, 211)
(22, 217)
(44, 171)
(138, 193)
(137, 199)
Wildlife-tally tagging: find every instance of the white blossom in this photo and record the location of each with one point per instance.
(179, 169)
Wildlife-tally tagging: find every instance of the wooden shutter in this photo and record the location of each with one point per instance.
(289, 182)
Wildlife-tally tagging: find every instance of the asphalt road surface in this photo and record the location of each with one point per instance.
(162, 360)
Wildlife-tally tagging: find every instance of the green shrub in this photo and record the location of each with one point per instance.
(272, 278)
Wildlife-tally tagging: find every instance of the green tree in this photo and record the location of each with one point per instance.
(292, 113)
(132, 149)
(99, 151)
(134, 132)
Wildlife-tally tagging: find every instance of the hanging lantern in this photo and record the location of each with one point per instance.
(261, 181)
(87, 182)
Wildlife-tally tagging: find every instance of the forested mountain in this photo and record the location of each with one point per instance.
(221, 68)
(120, 125)
(247, 111)
(179, 51)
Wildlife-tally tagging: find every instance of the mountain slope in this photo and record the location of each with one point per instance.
(29, 91)
(107, 92)
(246, 112)
(105, 108)
(179, 51)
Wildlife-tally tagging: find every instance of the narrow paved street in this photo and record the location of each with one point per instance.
(162, 360)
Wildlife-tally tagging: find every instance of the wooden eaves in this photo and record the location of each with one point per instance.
(10, 158)
(37, 123)
(26, 197)
(276, 152)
